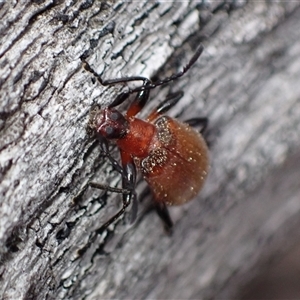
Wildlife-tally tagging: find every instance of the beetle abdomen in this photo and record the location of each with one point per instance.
(177, 168)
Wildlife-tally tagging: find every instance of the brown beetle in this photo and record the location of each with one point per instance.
(171, 156)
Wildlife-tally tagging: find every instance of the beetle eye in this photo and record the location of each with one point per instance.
(115, 116)
(109, 130)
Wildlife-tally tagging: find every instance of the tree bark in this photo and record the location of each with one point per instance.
(246, 82)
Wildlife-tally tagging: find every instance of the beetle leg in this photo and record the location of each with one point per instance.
(202, 122)
(140, 99)
(149, 85)
(126, 201)
(129, 194)
(106, 82)
(128, 173)
(142, 95)
(109, 188)
(139, 102)
(106, 152)
(114, 218)
(164, 106)
(142, 91)
(116, 166)
(129, 183)
(163, 213)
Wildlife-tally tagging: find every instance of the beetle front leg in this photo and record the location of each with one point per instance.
(142, 93)
(128, 173)
(128, 191)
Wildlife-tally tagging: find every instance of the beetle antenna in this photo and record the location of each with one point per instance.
(152, 85)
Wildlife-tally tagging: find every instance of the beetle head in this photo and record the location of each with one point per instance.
(108, 123)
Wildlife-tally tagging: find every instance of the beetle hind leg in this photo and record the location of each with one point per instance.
(164, 215)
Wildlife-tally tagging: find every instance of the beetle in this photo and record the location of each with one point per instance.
(171, 155)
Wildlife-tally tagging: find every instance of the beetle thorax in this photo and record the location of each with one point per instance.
(140, 138)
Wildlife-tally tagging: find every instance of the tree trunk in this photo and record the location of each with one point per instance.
(246, 82)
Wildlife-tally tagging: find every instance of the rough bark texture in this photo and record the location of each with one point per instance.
(246, 82)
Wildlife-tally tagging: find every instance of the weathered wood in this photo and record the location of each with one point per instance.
(246, 82)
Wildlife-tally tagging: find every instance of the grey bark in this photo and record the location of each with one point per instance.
(246, 82)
